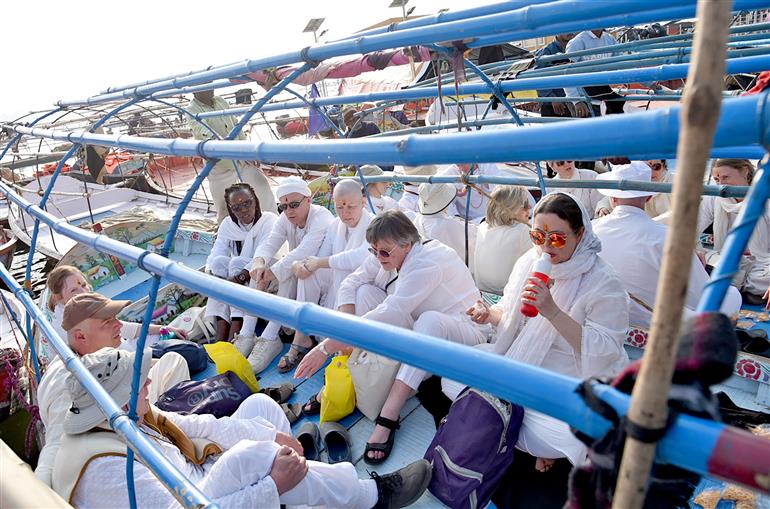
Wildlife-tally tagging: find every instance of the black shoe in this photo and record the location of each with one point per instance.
(752, 299)
(402, 487)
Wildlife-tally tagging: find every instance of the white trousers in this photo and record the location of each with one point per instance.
(286, 288)
(223, 175)
(316, 288)
(324, 485)
(165, 373)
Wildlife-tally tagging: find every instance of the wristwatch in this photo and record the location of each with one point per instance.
(241, 277)
(323, 350)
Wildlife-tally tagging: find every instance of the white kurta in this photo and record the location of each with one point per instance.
(497, 249)
(450, 231)
(661, 202)
(479, 202)
(589, 198)
(723, 213)
(632, 244)
(383, 203)
(346, 248)
(239, 477)
(54, 401)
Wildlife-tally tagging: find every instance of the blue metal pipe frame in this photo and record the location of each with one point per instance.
(569, 13)
(527, 385)
(184, 491)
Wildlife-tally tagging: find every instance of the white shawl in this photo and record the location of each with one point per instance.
(725, 213)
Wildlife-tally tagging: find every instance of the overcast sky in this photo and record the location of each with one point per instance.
(55, 50)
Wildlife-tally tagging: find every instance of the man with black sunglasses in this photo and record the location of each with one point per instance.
(303, 226)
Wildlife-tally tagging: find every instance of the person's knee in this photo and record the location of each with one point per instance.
(431, 323)
(261, 405)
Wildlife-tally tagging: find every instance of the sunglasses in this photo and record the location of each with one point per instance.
(242, 207)
(291, 205)
(381, 253)
(557, 239)
(656, 167)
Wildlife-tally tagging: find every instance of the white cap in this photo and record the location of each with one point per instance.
(292, 185)
(435, 197)
(637, 171)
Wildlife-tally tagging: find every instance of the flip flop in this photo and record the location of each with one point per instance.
(309, 437)
(337, 441)
(280, 394)
(314, 406)
(293, 411)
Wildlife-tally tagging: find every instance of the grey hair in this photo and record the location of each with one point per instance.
(392, 225)
(347, 187)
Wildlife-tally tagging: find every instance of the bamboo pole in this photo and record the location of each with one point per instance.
(700, 112)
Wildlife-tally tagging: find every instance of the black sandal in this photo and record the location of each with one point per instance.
(386, 447)
(312, 407)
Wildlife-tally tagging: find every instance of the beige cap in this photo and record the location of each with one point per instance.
(435, 198)
(90, 305)
(425, 169)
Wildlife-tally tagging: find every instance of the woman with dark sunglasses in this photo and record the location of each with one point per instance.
(581, 325)
(238, 236)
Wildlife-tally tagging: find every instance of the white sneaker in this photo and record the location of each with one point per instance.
(264, 352)
(244, 343)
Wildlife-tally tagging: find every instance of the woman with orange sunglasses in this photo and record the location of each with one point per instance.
(582, 322)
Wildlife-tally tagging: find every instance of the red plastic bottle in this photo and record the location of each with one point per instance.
(542, 271)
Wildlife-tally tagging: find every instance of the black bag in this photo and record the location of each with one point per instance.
(195, 355)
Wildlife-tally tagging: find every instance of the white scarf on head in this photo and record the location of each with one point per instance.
(529, 339)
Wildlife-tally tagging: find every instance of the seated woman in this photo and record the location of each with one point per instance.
(63, 283)
(502, 238)
(238, 236)
(659, 203)
(434, 222)
(377, 190)
(582, 322)
(343, 250)
(754, 276)
(247, 460)
(413, 284)
(565, 170)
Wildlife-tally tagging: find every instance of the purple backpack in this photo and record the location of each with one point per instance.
(219, 395)
(473, 448)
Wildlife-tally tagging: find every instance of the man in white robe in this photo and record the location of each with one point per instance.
(632, 243)
(408, 201)
(433, 221)
(479, 192)
(303, 226)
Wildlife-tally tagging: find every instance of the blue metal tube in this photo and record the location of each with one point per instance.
(654, 132)
(185, 492)
(574, 13)
(736, 242)
(527, 385)
(659, 73)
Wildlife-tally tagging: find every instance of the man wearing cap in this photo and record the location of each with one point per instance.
(224, 173)
(246, 460)
(433, 221)
(344, 249)
(91, 324)
(632, 243)
(303, 226)
(408, 202)
(376, 190)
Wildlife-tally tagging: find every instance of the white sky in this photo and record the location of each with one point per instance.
(55, 50)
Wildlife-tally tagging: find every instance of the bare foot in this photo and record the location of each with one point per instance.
(379, 436)
(544, 464)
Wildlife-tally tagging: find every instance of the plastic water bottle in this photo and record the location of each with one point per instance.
(166, 334)
(542, 271)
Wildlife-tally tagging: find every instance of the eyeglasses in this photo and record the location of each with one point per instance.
(291, 205)
(557, 239)
(381, 253)
(242, 206)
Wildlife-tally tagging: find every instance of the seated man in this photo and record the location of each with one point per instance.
(90, 323)
(303, 225)
(408, 201)
(433, 221)
(239, 234)
(247, 460)
(376, 190)
(480, 193)
(343, 251)
(632, 244)
(412, 284)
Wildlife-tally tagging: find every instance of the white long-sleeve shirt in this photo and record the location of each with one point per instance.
(479, 202)
(587, 40)
(103, 482)
(224, 245)
(497, 249)
(450, 231)
(432, 278)
(632, 244)
(590, 198)
(303, 242)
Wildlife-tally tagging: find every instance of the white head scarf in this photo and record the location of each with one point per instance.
(534, 336)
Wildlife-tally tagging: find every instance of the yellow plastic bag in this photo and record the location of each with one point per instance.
(338, 398)
(228, 358)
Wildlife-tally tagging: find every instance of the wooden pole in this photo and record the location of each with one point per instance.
(700, 112)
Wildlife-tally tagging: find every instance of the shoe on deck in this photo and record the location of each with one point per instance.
(263, 353)
(244, 343)
(404, 486)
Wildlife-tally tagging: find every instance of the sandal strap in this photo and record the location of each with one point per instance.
(382, 447)
(388, 423)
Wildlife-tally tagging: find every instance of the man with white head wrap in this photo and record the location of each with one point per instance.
(303, 226)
